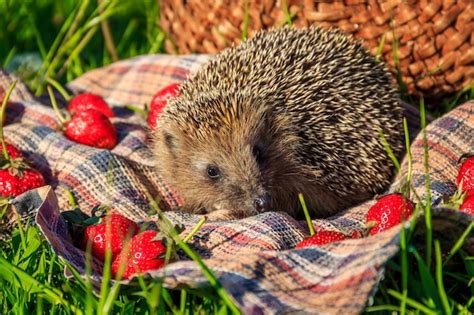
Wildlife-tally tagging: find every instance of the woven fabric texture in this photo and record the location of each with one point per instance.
(254, 257)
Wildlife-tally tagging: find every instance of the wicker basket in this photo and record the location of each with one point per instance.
(434, 39)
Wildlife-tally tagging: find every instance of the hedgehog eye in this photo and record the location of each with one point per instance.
(213, 172)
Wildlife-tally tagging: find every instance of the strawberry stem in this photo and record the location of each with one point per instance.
(59, 87)
(306, 214)
(195, 229)
(2, 116)
(61, 118)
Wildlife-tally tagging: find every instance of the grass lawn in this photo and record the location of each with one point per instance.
(63, 40)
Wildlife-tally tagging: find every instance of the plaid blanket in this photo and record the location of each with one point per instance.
(253, 258)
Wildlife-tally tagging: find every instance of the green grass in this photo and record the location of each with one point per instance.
(419, 280)
(32, 281)
(64, 39)
(61, 40)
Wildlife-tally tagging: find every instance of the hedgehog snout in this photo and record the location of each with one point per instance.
(262, 202)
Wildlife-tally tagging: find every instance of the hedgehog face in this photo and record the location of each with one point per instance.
(223, 166)
(233, 177)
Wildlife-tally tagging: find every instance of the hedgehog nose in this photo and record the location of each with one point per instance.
(262, 202)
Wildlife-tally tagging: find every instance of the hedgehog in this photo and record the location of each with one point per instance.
(288, 111)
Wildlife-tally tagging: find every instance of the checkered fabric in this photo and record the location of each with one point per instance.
(253, 258)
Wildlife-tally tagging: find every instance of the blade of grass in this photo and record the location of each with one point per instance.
(73, 39)
(439, 279)
(284, 5)
(151, 12)
(77, 277)
(59, 88)
(127, 34)
(60, 116)
(381, 308)
(79, 48)
(169, 301)
(169, 251)
(306, 214)
(427, 281)
(9, 57)
(389, 151)
(207, 273)
(194, 230)
(408, 148)
(246, 21)
(182, 304)
(157, 43)
(405, 271)
(378, 54)
(167, 227)
(77, 19)
(4, 210)
(110, 299)
(154, 298)
(457, 246)
(461, 277)
(109, 40)
(60, 45)
(412, 303)
(52, 50)
(91, 302)
(429, 232)
(57, 41)
(36, 32)
(39, 305)
(22, 233)
(53, 295)
(395, 42)
(2, 119)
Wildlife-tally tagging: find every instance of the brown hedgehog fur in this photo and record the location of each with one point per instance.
(289, 111)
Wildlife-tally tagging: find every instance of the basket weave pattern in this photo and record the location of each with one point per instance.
(434, 40)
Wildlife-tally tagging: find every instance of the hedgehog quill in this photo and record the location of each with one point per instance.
(288, 111)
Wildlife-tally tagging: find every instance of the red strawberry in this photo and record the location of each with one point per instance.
(357, 234)
(92, 128)
(31, 179)
(466, 174)
(16, 176)
(12, 151)
(143, 254)
(85, 101)
(388, 212)
(322, 237)
(468, 204)
(469, 193)
(121, 228)
(159, 101)
(14, 182)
